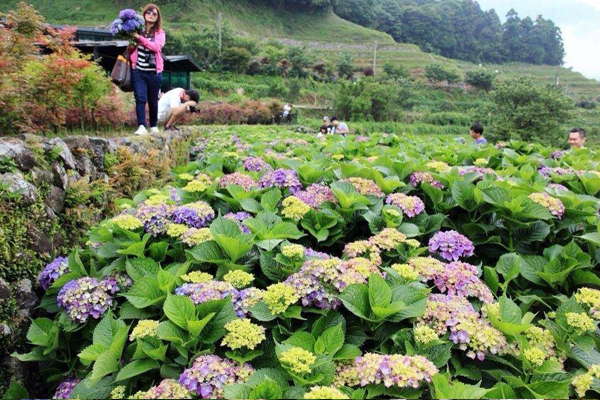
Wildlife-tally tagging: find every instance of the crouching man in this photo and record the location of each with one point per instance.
(174, 104)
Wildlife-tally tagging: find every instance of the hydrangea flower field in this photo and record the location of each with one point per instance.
(358, 267)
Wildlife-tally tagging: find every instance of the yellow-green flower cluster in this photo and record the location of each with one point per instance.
(197, 277)
(176, 230)
(231, 154)
(128, 222)
(156, 200)
(540, 338)
(118, 392)
(583, 383)
(481, 162)
(388, 239)
(591, 298)
(581, 322)
(294, 208)
(553, 205)
(438, 166)
(298, 360)
(200, 183)
(194, 236)
(424, 334)
(412, 243)
(186, 177)
(279, 297)
(293, 251)
(144, 328)
(239, 279)
(337, 156)
(243, 333)
(535, 356)
(406, 271)
(325, 392)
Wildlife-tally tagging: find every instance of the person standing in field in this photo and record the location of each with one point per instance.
(577, 138)
(147, 67)
(287, 109)
(477, 134)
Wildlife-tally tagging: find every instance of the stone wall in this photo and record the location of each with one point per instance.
(51, 191)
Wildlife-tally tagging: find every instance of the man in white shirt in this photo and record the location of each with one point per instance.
(173, 105)
(287, 109)
(339, 128)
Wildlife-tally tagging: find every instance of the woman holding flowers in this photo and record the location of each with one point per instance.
(147, 66)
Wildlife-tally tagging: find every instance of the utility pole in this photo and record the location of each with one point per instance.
(375, 58)
(220, 27)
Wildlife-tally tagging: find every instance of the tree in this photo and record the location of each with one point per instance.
(395, 70)
(345, 66)
(236, 59)
(436, 73)
(367, 99)
(299, 59)
(524, 111)
(481, 79)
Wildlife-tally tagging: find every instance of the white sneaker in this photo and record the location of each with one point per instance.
(141, 130)
(154, 129)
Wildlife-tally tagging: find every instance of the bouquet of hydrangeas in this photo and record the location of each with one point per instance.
(127, 24)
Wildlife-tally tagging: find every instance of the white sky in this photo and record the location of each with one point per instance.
(579, 21)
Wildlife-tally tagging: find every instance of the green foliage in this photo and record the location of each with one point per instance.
(236, 59)
(521, 110)
(437, 73)
(368, 99)
(346, 67)
(481, 79)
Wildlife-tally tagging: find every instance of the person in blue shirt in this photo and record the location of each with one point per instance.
(477, 133)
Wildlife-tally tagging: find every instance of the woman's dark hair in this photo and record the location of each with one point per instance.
(158, 24)
(323, 128)
(194, 95)
(477, 128)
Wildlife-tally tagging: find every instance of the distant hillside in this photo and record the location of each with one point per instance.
(324, 33)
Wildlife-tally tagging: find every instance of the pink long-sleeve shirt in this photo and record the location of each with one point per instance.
(155, 46)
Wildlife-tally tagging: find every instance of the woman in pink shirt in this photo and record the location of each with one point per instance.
(147, 64)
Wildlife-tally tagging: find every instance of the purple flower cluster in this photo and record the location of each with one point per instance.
(212, 290)
(282, 179)
(195, 215)
(451, 245)
(117, 281)
(393, 370)
(557, 154)
(316, 194)
(419, 177)
(210, 374)
(256, 164)
(467, 328)
(239, 217)
(410, 205)
(53, 271)
(478, 170)
(155, 218)
(462, 279)
(548, 171)
(237, 178)
(310, 253)
(63, 391)
(128, 23)
(84, 297)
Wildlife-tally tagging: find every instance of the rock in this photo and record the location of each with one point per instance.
(65, 153)
(42, 176)
(49, 212)
(101, 147)
(5, 330)
(4, 290)
(61, 179)
(17, 150)
(26, 299)
(56, 199)
(58, 240)
(16, 182)
(39, 242)
(305, 129)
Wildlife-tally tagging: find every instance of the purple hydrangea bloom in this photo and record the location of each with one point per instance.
(410, 205)
(196, 215)
(316, 194)
(281, 178)
(84, 297)
(63, 391)
(462, 279)
(117, 281)
(239, 217)
(155, 218)
(310, 253)
(127, 14)
(557, 154)
(210, 374)
(451, 245)
(420, 177)
(478, 170)
(130, 25)
(53, 271)
(116, 26)
(239, 179)
(212, 290)
(256, 164)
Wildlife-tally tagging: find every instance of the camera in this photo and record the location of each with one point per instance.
(193, 109)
